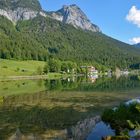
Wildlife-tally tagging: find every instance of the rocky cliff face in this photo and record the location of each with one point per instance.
(18, 14)
(75, 16)
(16, 10)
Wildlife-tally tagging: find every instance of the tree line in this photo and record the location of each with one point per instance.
(41, 37)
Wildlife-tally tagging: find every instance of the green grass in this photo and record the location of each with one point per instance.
(19, 68)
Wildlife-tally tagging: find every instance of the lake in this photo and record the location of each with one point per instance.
(62, 109)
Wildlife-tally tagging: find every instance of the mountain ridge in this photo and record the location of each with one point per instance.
(14, 4)
(73, 15)
(42, 37)
(16, 10)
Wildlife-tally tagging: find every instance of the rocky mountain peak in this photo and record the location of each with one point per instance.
(14, 4)
(70, 6)
(72, 14)
(16, 10)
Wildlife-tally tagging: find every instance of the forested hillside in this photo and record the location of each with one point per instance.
(15, 44)
(41, 37)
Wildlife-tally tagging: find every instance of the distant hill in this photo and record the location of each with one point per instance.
(35, 35)
(137, 45)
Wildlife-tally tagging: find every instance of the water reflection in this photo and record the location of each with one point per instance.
(106, 84)
(101, 130)
(93, 83)
(36, 120)
(53, 108)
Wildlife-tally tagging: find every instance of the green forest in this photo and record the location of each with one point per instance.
(44, 38)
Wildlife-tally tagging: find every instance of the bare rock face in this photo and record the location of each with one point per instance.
(16, 10)
(74, 15)
(18, 14)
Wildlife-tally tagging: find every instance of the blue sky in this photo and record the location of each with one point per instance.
(109, 15)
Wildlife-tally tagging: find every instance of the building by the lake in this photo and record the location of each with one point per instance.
(90, 70)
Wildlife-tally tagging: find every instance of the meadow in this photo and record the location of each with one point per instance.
(20, 68)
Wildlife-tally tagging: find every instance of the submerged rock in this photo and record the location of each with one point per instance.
(19, 136)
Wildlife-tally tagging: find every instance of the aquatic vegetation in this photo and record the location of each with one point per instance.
(116, 138)
(124, 119)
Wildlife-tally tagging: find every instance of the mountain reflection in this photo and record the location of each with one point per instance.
(57, 106)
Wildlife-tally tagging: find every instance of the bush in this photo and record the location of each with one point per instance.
(39, 70)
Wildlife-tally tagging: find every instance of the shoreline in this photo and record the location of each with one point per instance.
(35, 77)
(14, 78)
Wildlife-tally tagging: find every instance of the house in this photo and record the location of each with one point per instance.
(90, 70)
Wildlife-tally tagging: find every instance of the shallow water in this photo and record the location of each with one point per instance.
(51, 108)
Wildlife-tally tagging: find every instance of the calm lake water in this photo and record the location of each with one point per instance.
(63, 108)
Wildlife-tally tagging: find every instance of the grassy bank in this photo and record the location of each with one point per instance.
(19, 68)
(16, 70)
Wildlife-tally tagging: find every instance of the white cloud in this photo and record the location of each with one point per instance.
(135, 40)
(134, 16)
